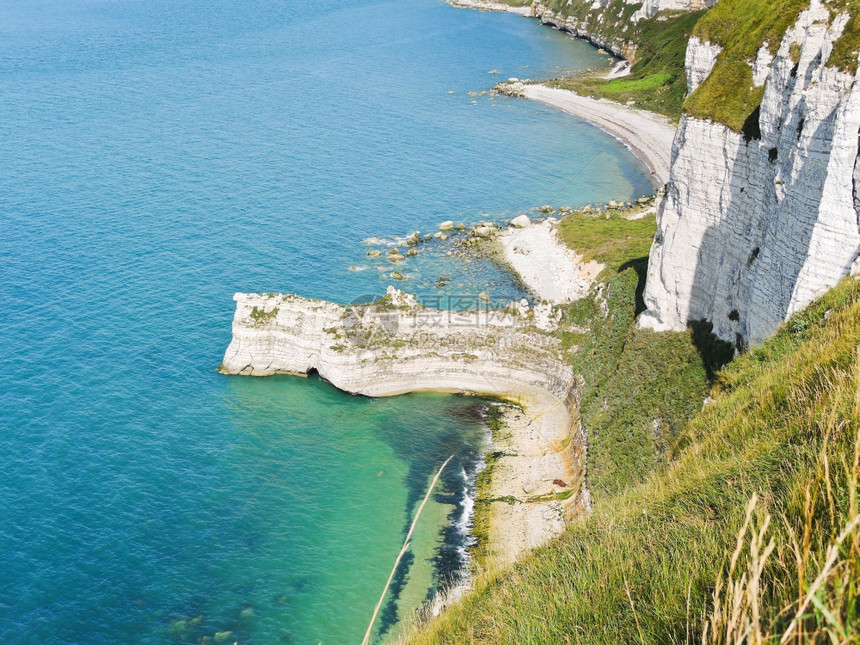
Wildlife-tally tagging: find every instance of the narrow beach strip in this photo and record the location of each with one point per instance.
(649, 136)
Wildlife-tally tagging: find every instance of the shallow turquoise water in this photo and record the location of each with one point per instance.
(159, 156)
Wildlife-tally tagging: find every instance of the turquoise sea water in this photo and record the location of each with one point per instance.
(159, 156)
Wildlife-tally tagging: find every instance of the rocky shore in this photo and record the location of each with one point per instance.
(553, 272)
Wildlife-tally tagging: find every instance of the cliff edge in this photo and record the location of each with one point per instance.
(761, 213)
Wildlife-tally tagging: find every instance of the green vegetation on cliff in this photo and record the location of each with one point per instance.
(847, 48)
(674, 541)
(740, 27)
(657, 46)
(657, 81)
(640, 388)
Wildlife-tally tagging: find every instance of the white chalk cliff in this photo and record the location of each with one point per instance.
(396, 346)
(752, 230)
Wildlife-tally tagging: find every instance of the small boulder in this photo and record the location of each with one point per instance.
(446, 226)
(546, 209)
(373, 253)
(522, 221)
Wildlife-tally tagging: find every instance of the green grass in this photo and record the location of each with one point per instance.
(847, 47)
(644, 566)
(741, 27)
(608, 238)
(657, 80)
(640, 387)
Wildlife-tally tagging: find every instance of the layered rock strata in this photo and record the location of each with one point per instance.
(396, 346)
(756, 225)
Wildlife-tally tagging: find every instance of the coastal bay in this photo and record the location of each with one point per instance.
(163, 158)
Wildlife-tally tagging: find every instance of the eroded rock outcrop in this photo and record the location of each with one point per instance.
(756, 225)
(396, 346)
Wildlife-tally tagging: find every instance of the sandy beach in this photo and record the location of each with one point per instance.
(649, 136)
(537, 482)
(545, 264)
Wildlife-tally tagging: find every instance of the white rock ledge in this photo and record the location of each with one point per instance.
(396, 346)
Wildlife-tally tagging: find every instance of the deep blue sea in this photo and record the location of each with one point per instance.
(159, 155)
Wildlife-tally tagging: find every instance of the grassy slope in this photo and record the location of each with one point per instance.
(847, 48)
(657, 81)
(633, 378)
(741, 27)
(669, 503)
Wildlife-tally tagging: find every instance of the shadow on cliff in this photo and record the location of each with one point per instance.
(749, 262)
(640, 266)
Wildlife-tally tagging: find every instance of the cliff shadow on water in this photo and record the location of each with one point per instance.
(460, 430)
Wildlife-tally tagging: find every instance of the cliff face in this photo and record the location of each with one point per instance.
(651, 7)
(757, 224)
